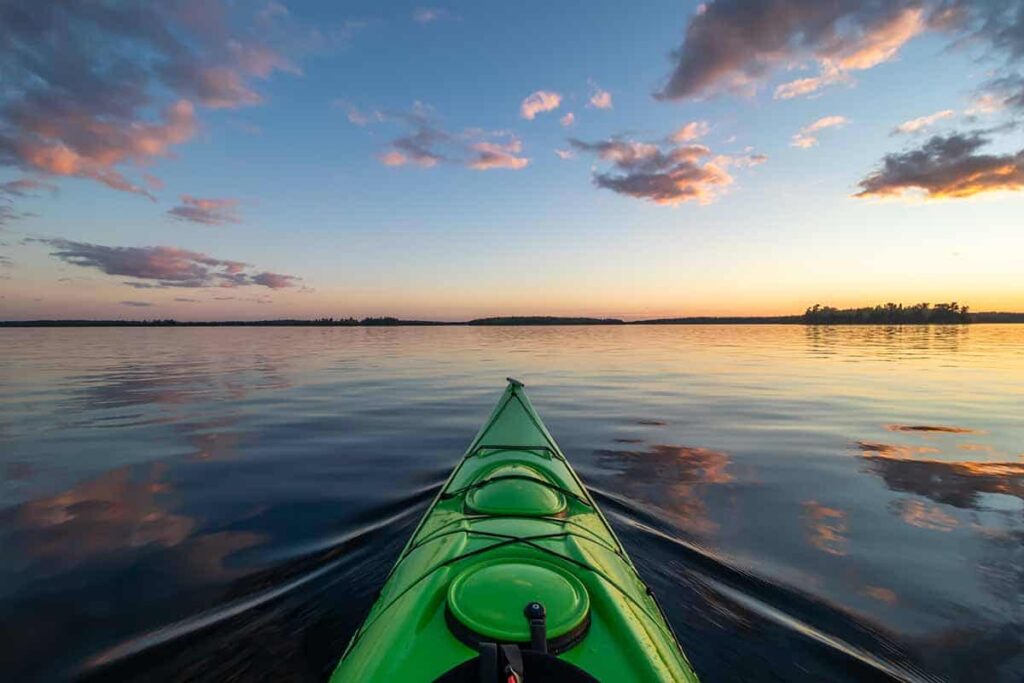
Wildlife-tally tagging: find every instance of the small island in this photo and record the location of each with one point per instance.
(544, 320)
(889, 314)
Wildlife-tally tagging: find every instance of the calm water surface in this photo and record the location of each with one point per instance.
(222, 504)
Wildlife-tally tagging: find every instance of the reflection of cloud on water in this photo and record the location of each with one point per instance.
(18, 471)
(1002, 567)
(205, 556)
(995, 646)
(992, 491)
(216, 439)
(141, 384)
(123, 508)
(956, 483)
(976, 448)
(931, 429)
(825, 527)
(885, 595)
(920, 514)
(170, 384)
(672, 477)
(113, 517)
(894, 450)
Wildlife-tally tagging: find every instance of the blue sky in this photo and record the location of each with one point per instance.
(738, 221)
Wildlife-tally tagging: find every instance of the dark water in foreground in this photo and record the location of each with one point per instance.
(222, 504)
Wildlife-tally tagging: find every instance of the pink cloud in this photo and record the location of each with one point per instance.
(355, 115)
(568, 120)
(693, 130)
(539, 102)
(986, 103)
(946, 167)
(160, 267)
(805, 138)
(428, 15)
(102, 145)
(426, 144)
(206, 211)
(217, 87)
(25, 187)
(880, 42)
(736, 46)
(393, 158)
(82, 95)
(663, 175)
(875, 46)
(259, 60)
(489, 155)
(808, 86)
(677, 185)
(922, 122)
(275, 280)
(600, 99)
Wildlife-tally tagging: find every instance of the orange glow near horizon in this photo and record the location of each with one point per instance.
(97, 298)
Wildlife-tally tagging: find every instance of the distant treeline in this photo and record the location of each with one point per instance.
(396, 322)
(545, 320)
(384, 321)
(889, 314)
(726, 320)
(997, 317)
(284, 322)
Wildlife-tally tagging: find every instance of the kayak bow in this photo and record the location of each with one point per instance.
(514, 570)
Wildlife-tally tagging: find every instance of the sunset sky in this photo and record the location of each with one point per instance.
(208, 159)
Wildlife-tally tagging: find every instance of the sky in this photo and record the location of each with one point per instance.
(209, 159)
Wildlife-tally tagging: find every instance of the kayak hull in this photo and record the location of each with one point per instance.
(513, 523)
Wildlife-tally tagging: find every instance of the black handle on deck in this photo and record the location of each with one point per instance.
(537, 617)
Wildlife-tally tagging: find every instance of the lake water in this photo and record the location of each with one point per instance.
(808, 503)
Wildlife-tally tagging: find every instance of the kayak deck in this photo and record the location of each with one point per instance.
(513, 523)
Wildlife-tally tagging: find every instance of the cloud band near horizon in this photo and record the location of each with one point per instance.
(164, 267)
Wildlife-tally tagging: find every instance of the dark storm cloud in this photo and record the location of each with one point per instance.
(164, 266)
(946, 166)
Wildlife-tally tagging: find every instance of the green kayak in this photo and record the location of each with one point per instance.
(514, 575)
